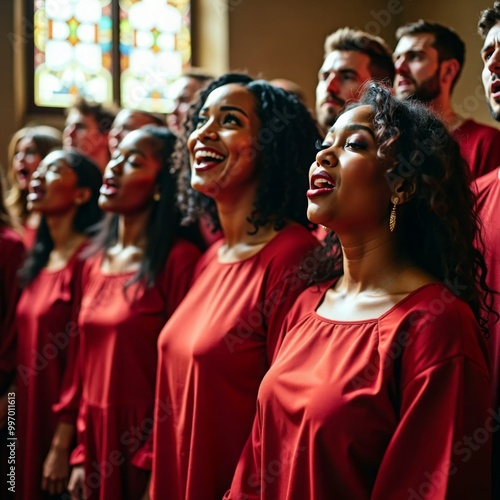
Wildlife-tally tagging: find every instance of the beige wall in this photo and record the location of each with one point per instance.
(270, 39)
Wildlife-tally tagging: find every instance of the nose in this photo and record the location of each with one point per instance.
(207, 130)
(326, 157)
(332, 83)
(401, 64)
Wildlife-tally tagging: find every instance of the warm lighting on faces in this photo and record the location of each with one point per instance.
(222, 148)
(490, 54)
(26, 160)
(417, 67)
(340, 81)
(53, 187)
(126, 121)
(82, 133)
(129, 181)
(348, 188)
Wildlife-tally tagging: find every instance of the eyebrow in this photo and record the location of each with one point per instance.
(134, 152)
(226, 108)
(354, 127)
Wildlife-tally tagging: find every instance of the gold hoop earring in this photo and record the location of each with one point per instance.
(392, 219)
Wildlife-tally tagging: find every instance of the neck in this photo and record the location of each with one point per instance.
(62, 232)
(131, 229)
(369, 264)
(442, 107)
(234, 212)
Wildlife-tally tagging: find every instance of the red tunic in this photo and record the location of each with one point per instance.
(488, 192)
(46, 354)
(380, 409)
(11, 258)
(118, 364)
(479, 145)
(214, 352)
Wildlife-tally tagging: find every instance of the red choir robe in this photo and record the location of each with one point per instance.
(11, 258)
(488, 198)
(47, 353)
(214, 352)
(118, 354)
(389, 408)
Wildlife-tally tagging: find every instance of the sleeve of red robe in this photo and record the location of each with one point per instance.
(443, 420)
(70, 393)
(12, 254)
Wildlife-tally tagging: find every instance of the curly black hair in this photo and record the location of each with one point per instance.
(438, 227)
(286, 142)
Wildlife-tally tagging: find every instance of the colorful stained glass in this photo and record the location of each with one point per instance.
(155, 48)
(72, 51)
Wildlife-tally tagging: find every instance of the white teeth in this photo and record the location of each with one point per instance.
(208, 154)
(323, 183)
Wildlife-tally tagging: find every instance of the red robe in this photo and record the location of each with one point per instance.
(488, 193)
(380, 409)
(46, 355)
(479, 145)
(11, 258)
(118, 368)
(214, 352)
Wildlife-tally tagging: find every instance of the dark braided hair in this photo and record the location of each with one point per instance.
(438, 227)
(286, 143)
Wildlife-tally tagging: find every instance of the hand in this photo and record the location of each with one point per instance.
(76, 483)
(55, 471)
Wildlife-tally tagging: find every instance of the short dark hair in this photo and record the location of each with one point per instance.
(102, 115)
(381, 65)
(446, 41)
(488, 19)
(285, 159)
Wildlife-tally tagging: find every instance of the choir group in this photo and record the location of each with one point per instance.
(246, 301)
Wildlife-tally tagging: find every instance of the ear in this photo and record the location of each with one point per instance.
(83, 195)
(403, 190)
(449, 70)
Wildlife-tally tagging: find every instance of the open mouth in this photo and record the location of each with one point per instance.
(36, 193)
(109, 186)
(495, 89)
(321, 183)
(206, 158)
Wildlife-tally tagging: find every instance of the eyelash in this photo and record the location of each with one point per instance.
(320, 146)
(349, 144)
(232, 118)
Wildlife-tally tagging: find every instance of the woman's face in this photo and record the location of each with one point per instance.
(53, 187)
(126, 121)
(26, 160)
(349, 190)
(130, 178)
(223, 149)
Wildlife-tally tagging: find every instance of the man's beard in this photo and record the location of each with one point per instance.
(428, 90)
(494, 114)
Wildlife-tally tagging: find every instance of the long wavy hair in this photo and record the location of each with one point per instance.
(438, 227)
(46, 139)
(286, 143)
(86, 218)
(163, 224)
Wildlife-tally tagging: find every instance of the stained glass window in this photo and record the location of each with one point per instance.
(74, 53)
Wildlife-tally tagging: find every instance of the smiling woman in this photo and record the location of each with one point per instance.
(245, 166)
(382, 370)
